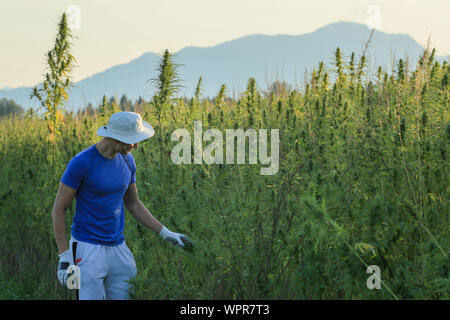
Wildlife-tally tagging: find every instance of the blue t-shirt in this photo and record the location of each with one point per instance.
(101, 184)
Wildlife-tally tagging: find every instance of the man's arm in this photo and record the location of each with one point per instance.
(63, 200)
(139, 211)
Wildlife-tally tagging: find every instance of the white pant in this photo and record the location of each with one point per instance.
(104, 270)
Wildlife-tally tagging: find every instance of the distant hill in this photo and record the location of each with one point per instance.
(266, 58)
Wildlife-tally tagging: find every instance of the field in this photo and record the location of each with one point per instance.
(362, 180)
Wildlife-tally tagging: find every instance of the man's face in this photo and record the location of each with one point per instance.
(124, 148)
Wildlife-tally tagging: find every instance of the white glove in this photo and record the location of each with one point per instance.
(65, 260)
(177, 239)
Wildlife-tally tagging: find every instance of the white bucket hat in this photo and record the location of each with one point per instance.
(127, 127)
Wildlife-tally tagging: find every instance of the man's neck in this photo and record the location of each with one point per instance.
(105, 149)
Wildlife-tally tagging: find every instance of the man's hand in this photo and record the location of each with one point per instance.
(177, 239)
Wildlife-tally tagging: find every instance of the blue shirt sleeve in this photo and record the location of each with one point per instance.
(75, 173)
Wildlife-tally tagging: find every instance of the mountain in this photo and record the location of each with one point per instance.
(266, 58)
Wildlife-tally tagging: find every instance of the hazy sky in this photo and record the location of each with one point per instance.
(114, 32)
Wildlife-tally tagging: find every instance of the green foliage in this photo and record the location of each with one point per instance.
(167, 82)
(198, 89)
(363, 180)
(53, 92)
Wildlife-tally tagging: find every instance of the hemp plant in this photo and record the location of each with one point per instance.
(54, 90)
(53, 93)
(167, 85)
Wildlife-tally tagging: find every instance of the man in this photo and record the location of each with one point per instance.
(102, 178)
